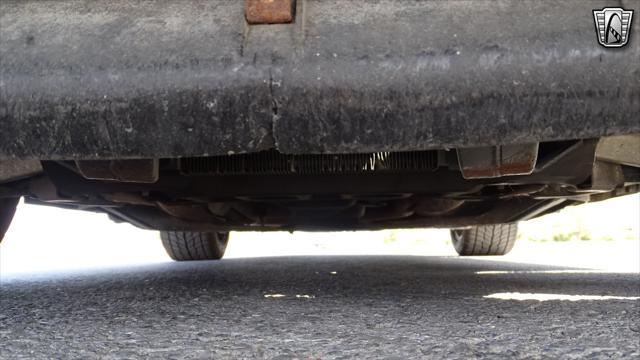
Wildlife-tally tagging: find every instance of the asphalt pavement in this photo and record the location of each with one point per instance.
(322, 307)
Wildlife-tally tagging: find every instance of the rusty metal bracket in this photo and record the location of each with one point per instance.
(606, 177)
(12, 169)
(269, 11)
(496, 161)
(622, 149)
(138, 170)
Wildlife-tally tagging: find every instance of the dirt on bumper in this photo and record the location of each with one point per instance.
(111, 79)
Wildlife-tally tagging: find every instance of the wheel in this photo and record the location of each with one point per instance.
(7, 210)
(485, 240)
(188, 246)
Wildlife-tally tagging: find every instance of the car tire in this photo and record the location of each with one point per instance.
(485, 240)
(7, 210)
(190, 246)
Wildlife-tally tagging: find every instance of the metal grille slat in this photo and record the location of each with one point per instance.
(275, 163)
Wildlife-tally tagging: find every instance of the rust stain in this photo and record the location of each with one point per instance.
(493, 172)
(269, 11)
(524, 166)
(504, 160)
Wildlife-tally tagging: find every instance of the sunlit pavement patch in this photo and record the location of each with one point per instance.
(298, 296)
(504, 272)
(561, 297)
(305, 296)
(274, 296)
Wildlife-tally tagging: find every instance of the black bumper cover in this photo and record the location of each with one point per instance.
(114, 79)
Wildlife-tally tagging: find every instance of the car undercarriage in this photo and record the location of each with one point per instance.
(273, 191)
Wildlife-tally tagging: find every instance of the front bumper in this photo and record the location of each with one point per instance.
(113, 79)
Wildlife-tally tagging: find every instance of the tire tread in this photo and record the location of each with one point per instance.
(187, 246)
(495, 239)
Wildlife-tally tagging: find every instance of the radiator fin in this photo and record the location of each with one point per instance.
(274, 163)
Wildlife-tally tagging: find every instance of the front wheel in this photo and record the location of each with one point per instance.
(191, 245)
(485, 240)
